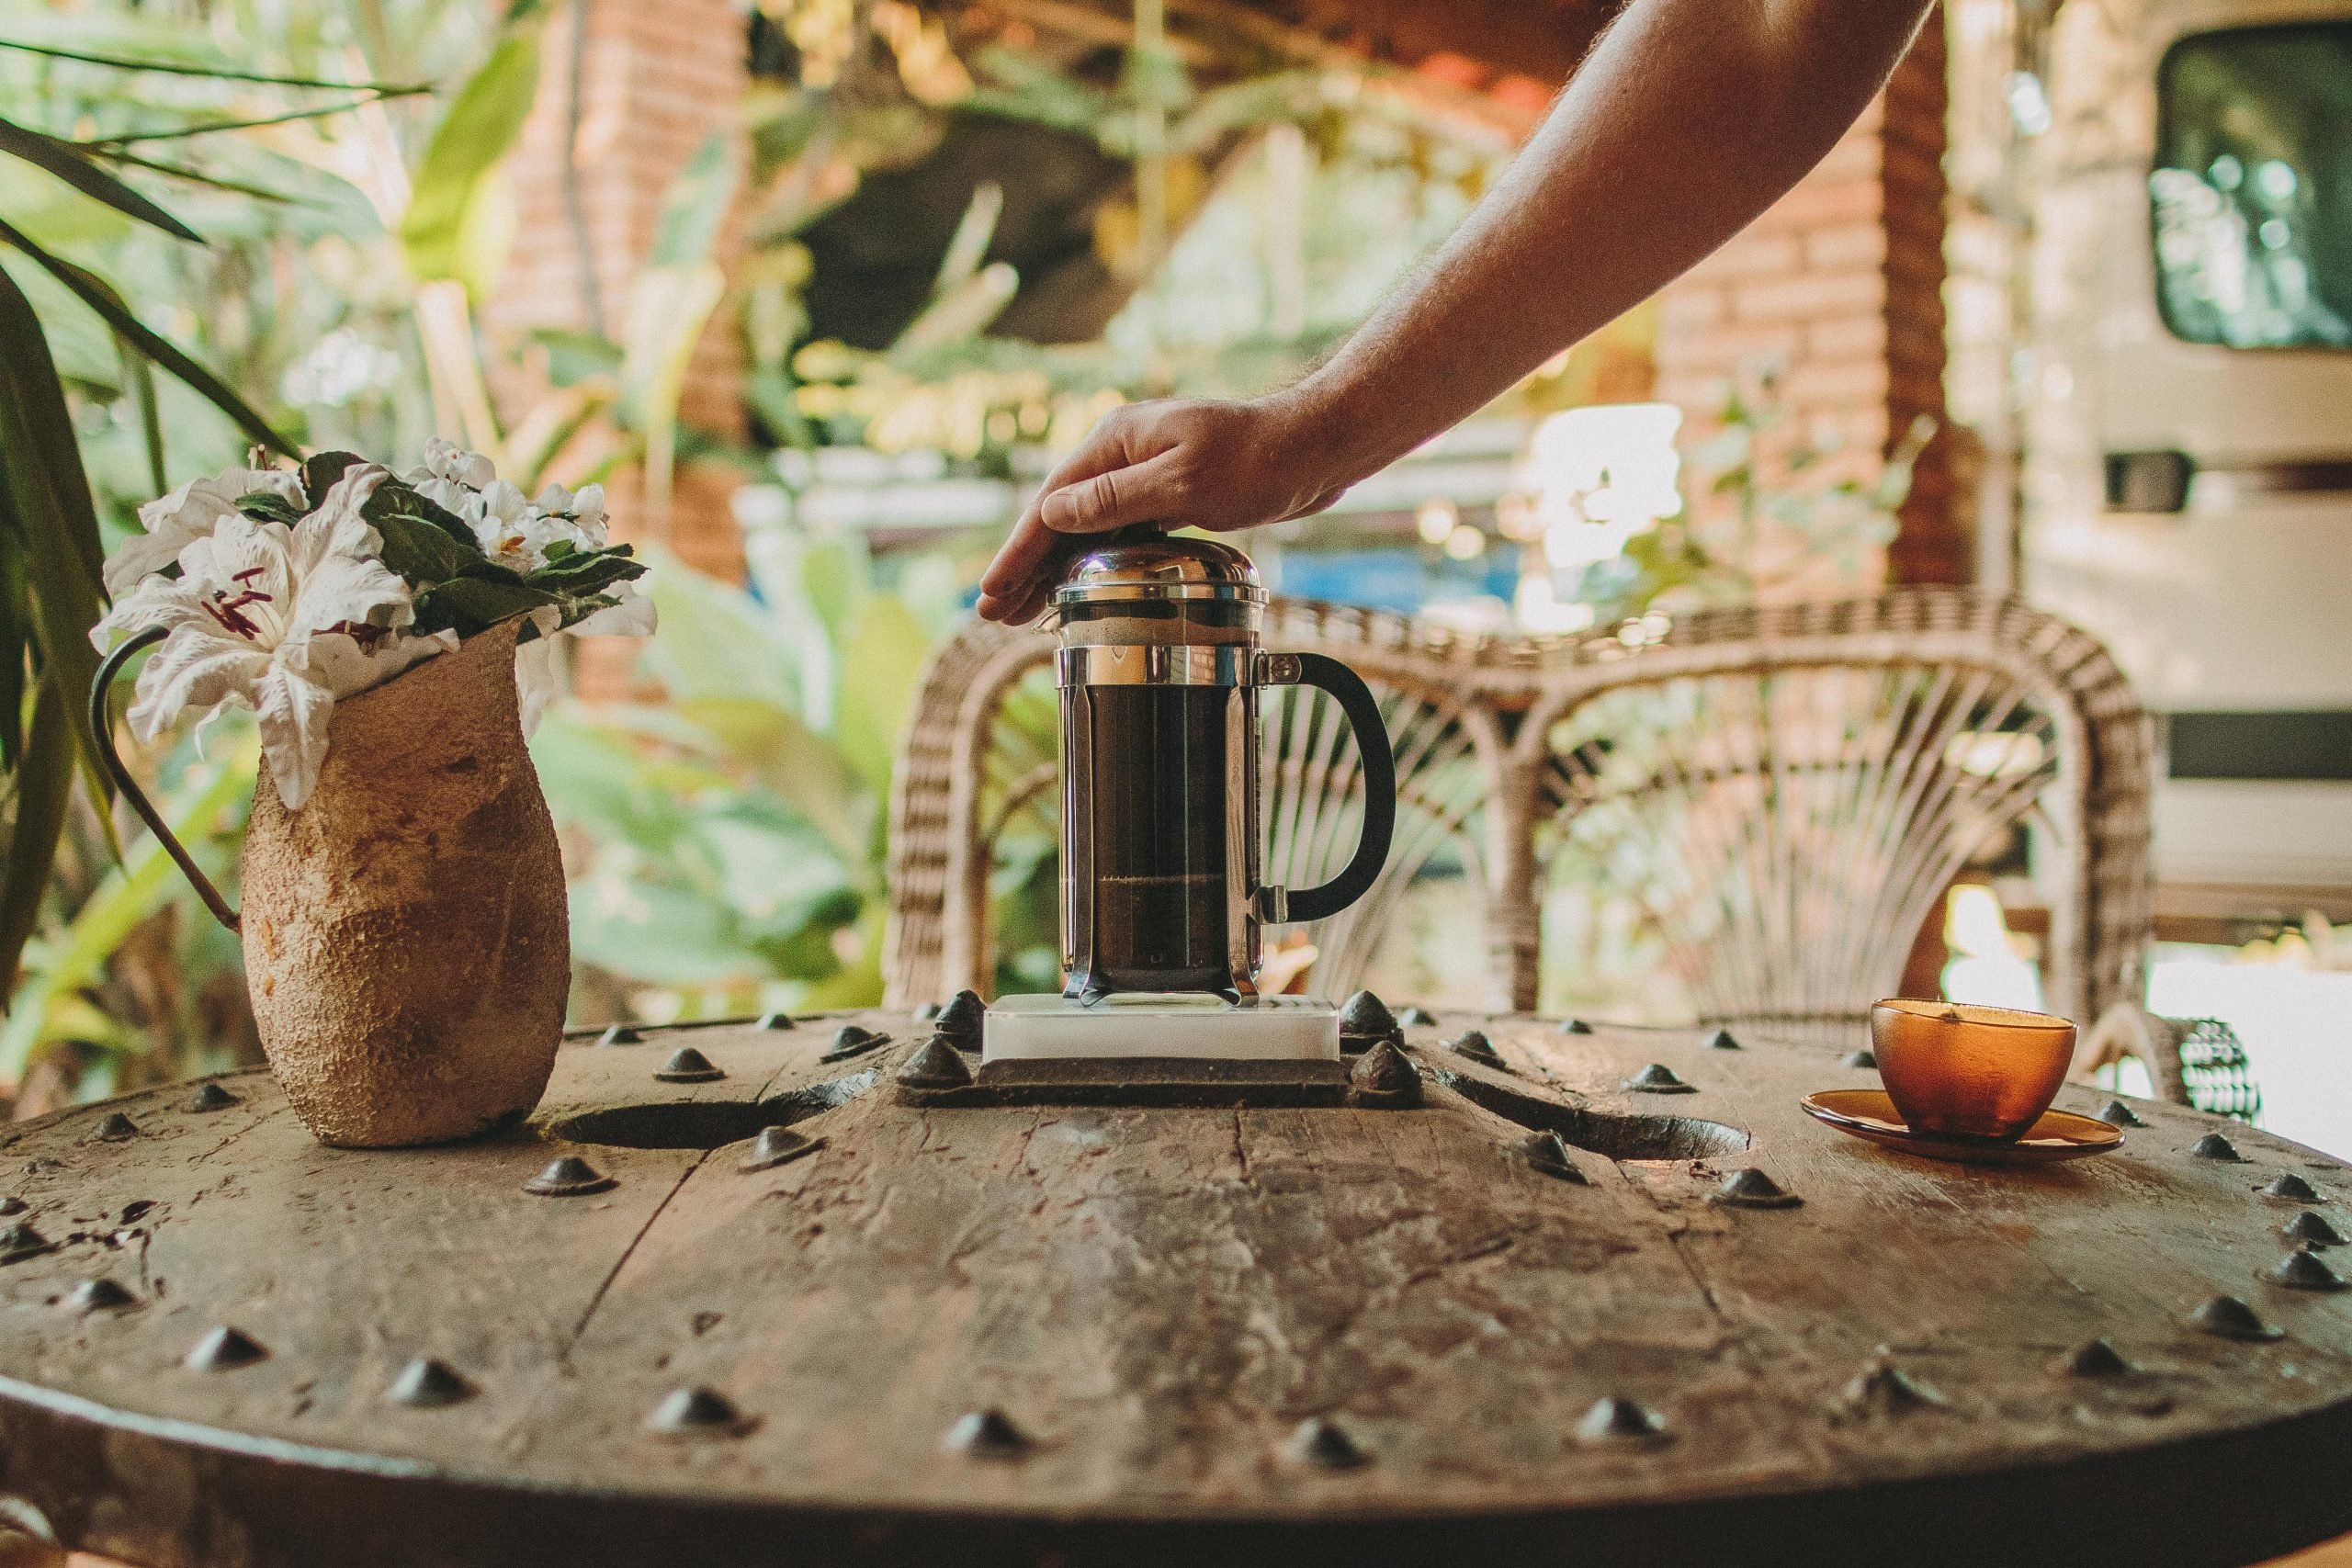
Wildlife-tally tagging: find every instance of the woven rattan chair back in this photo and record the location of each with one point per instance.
(1784, 792)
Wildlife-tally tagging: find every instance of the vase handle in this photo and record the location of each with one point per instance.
(102, 726)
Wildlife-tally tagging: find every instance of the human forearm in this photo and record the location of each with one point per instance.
(1690, 118)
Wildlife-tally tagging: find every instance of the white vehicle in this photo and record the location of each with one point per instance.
(2189, 493)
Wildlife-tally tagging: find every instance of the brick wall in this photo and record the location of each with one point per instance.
(656, 80)
(1841, 283)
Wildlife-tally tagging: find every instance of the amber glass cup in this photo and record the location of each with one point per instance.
(1981, 1072)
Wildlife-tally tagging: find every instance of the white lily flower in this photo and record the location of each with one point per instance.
(448, 460)
(173, 522)
(281, 620)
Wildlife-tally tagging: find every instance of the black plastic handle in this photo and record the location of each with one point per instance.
(1355, 879)
(102, 726)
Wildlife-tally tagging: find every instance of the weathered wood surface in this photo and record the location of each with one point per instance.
(1156, 1299)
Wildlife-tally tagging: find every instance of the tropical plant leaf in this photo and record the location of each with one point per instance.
(472, 138)
(128, 892)
(139, 376)
(214, 73)
(470, 604)
(206, 128)
(44, 778)
(393, 498)
(419, 551)
(322, 470)
(265, 507)
(101, 297)
(76, 168)
(588, 571)
(195, 177)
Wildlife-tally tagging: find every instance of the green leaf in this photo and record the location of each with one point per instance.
(881, 665)
(213, 73)
(263, 506)
(469, 604)
(47, 519)
(74, 167)
(576, 356)
(472, 138)
(320, 470)
(44, 783)
(694, 206)
(393, 498)
(418, 551)
(101, 297)
(127, 894)
(588, 571)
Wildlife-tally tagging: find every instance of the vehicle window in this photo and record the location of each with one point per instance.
(2251, 190)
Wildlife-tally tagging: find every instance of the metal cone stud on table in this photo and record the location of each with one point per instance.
(1749, 1188)
(2099, 1359)
(426, 1384)
(935, 1066)
(1658, 1078)
(1473, 1044)
(2232, 1319)
(1384, 1079)
(2292, 1189)
(1364, 1023)
(2312, 1228)
(568, 1176)
(696, 1412)
(776, 1146)
(1547, 1154)
(687, 1065)
(961, 1022)
(1616, 1421)
(101, 1294)
(986, 1433)
(1326, 1445)
(209, 1096)
(2304, 1269)
(224, 1349)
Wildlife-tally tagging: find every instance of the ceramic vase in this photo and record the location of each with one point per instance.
(406, 939)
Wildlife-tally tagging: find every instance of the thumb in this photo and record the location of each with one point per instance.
(1143, 492)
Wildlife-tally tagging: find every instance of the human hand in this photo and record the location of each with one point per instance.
(1182, 463)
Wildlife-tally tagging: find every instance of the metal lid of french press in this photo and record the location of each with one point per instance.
(1145, 564)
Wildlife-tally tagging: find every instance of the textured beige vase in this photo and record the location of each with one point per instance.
(406, 940)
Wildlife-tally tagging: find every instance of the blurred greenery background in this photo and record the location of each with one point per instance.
(722, 803)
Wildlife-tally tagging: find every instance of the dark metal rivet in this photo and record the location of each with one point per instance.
(1886, 1387)
(20, 1241)
(935, 1065)
(986, 1433)
(425, 1384)
(1416, 1017)
(12, 1205)
(209, 1096)
(2099, 1359)
(116, 1128)
(1384, 1079)
(1658, 1078)
(1861, 1060)
(2232, 1319)
(2312, 1228)
(1749, 1188)
(2118, 1114)
(776, 1020)
(696, 1412)
(778, 1145)
(1621, 1421)
(567, 1176)
(224, 1350)
(1547, 1153)
(2293, 1187)
(963, 1021)
(2303, 1269)
(1720, 1040)
(101, 1294)
(1326, 1445)
(620, 1034)
(1473, 1044)
(1365, 1022)
(2212, 1145)
(687, 1065)
(849, 1040)
(1575, 1026)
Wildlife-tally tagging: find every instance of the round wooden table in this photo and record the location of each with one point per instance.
(971, 1333)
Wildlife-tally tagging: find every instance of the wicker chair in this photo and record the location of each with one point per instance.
(1785, 792)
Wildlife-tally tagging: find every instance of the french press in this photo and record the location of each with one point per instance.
(1159, 671)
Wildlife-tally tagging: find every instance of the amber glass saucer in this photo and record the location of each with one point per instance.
(1868, 1113)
